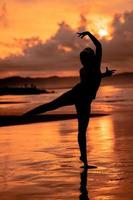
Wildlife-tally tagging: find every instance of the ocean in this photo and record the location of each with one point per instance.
(109, 98)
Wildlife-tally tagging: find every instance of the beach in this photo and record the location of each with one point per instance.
(41, 160)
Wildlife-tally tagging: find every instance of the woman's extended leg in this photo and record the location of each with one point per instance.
(64, 100)
(83, 113)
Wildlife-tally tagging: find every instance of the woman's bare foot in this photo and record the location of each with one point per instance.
(83, 160)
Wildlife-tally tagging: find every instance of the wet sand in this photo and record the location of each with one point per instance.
(41, 160)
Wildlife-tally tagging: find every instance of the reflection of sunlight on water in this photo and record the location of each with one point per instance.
(107, 96)
(101, 138)
(99, 107)
(36, 147)
(109, 90)
(26, 147)
(39, 158)
(101, 150)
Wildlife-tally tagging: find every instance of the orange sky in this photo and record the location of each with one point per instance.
(25, 19)
(31, 18)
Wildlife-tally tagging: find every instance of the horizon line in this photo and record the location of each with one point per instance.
(55, 76)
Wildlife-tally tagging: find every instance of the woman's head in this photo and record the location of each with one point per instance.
(87, 56)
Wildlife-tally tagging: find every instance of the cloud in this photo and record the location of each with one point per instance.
(119, 49)
(61, 52)
(27, 43)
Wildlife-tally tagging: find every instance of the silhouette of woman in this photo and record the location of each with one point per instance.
(83, 93)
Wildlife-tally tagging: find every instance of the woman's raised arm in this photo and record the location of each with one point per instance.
(96, 43)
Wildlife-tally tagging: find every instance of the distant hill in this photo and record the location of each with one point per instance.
(50, 82)
(61, 82)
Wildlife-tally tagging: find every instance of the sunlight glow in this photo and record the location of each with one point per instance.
(103, 139)
(103, 32)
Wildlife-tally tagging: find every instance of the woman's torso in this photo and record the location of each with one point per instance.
(89, 84)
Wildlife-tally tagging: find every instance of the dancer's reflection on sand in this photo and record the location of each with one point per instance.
(83, 185)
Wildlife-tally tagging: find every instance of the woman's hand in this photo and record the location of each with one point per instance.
(109, 72)
(82, 34)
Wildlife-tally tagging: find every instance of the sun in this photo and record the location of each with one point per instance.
(103, 32)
